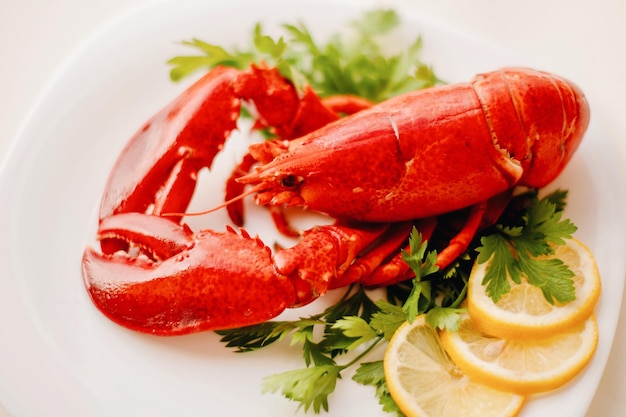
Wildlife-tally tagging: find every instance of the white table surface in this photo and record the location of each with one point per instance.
(586, 40)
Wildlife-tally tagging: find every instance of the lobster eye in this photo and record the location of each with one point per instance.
(289, 181)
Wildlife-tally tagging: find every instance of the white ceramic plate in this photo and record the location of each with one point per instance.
(59, 356)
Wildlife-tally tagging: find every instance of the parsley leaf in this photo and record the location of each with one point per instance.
(308, 386)
(312, 385)
(212, 56)
(517, 251)
(356, 328)
(355, 302)
(353, 64)
(388, 319)
(545, 220)
(444, 318)
(501, 265)
(422, 264)
(314, 353)
(372, 373)
(257, 336)
(267, 45)
(552, 276)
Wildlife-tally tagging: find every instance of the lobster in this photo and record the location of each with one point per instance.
(378, 170)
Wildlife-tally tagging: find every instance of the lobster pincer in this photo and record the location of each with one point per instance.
(173, 281)
(179, 281)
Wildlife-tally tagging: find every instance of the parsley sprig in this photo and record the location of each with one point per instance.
(312, 385)
(350, 63)
(345, 333)
(517, 251)
(354, 325)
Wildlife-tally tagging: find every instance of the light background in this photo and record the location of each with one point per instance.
(583, 40)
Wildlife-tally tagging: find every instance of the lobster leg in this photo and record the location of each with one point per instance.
(374, 271)
(281, 222)
(363, 267)
(234, 189)
(396, 270)
(480, 216)
(459, 243)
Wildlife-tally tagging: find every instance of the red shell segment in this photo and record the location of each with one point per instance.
(433, 151)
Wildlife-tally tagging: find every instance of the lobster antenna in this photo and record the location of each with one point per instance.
(224, 204)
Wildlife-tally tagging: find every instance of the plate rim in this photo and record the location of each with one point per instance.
(17, 142)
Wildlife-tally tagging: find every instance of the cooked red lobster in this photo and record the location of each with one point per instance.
(378, 171)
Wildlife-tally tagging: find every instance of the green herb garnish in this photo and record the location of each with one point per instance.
(350, 64)
(356, 324)
(345, 333)
(516, 252)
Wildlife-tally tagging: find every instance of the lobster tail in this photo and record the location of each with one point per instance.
(540, 122)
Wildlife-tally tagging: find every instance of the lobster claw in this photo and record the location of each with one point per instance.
(183, 282)
(159, 164)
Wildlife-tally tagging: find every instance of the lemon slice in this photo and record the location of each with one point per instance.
(521, 366)
(423, 381)
(524, 311)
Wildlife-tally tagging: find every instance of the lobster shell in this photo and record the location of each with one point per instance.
(433, 151)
